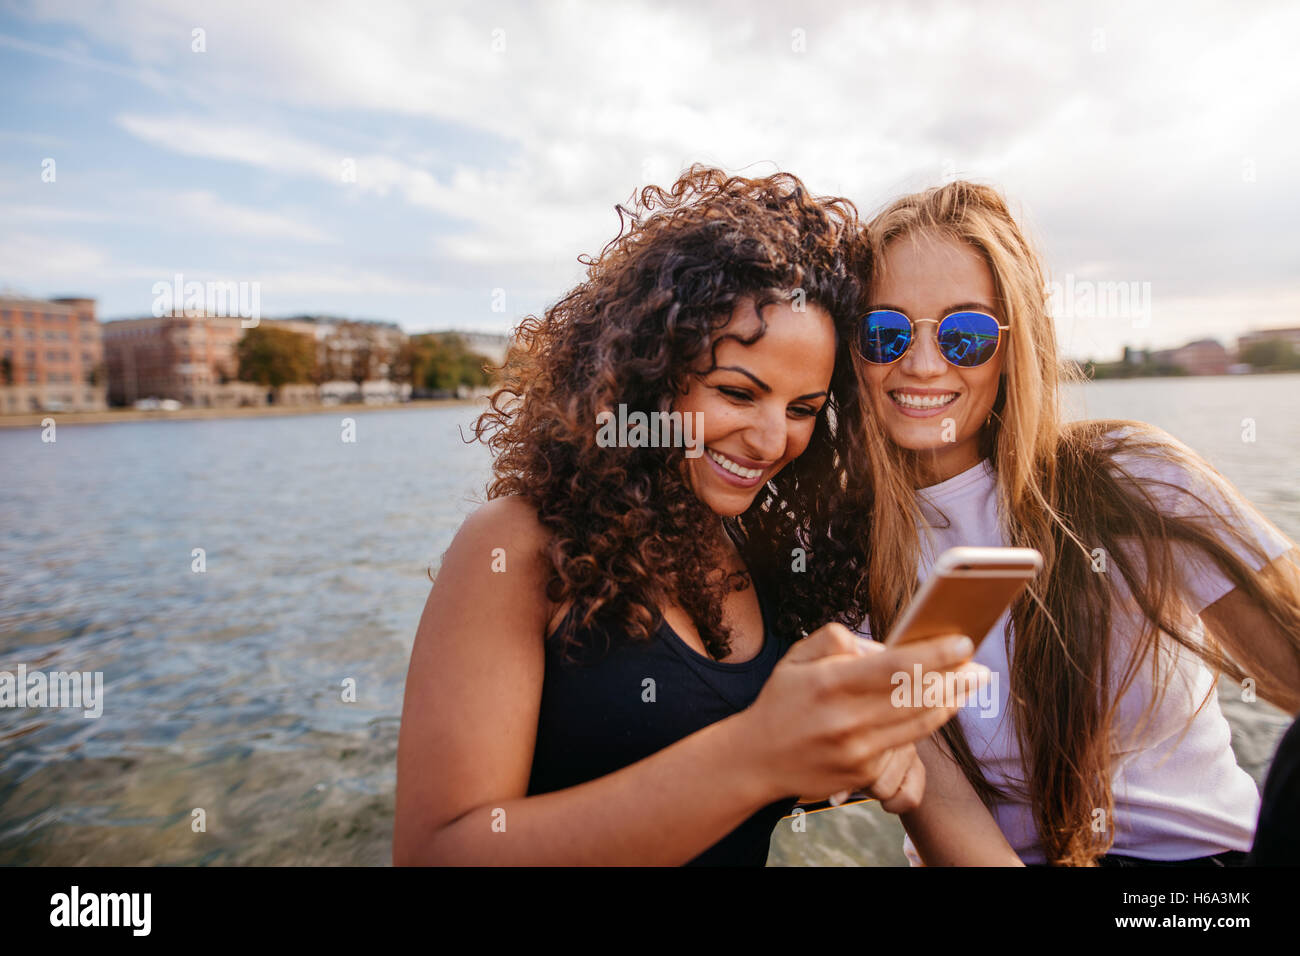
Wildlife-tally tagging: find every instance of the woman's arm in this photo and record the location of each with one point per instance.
(1263, 648)
(823, 722)
(1185, 486)
(470, 722)
(952, 827)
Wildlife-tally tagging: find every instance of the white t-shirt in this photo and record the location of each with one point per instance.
(1178, 791)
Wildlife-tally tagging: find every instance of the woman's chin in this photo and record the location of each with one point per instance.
(920, 438)
(729, 506)
(929, 449)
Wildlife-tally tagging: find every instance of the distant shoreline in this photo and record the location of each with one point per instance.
(34, 419)
(109, 416)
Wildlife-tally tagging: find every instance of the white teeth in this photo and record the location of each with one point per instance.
(922, 401)
(731, 466)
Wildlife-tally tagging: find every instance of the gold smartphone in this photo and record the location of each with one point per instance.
(967, 591)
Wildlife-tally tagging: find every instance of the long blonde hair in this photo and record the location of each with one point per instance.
(1062, 488)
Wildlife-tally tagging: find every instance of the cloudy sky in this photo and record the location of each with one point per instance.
(405, 160)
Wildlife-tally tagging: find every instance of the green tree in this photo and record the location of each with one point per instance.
(274, 357)
(1270, 354)
(441, 361)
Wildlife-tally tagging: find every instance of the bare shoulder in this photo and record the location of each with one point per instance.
(500, 552)
(509, 522)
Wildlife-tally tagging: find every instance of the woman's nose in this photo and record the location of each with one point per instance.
(923, 359)
(766, 440)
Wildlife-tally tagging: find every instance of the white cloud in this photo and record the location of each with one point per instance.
(514, 225)
(147, 77)
(36, 259)
(213, 139)
(341, 282)
(40, 215)
(1122, 132)
(203, 209)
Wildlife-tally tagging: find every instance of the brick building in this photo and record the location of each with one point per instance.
(187, 357)
(194, 359)
(1202, 357)
(345, 350)
(51, 355)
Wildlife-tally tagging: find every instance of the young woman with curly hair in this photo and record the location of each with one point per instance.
(585, 682)
(1108, 745)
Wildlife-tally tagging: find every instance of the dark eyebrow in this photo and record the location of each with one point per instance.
(762, 384)
(959, 307)
(750, 375)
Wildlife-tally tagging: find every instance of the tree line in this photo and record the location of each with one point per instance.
(434, 362)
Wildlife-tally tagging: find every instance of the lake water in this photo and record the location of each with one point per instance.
(224, 690)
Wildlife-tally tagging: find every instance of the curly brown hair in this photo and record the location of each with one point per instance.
(624, 523)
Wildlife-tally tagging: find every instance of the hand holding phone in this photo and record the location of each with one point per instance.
(967, 591)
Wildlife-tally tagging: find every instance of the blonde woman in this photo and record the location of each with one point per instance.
(1108, 745)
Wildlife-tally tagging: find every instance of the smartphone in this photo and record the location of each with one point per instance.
(967, 591)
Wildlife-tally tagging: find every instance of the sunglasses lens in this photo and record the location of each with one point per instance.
(968, 339)
(884, 336)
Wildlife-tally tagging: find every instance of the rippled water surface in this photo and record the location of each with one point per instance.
(224, 690)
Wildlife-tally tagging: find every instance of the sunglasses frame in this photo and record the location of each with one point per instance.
(912, 337)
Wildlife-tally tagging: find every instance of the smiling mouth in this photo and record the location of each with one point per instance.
(922, 403)
(726, 464)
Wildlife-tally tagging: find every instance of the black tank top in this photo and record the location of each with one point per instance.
(597, 717)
